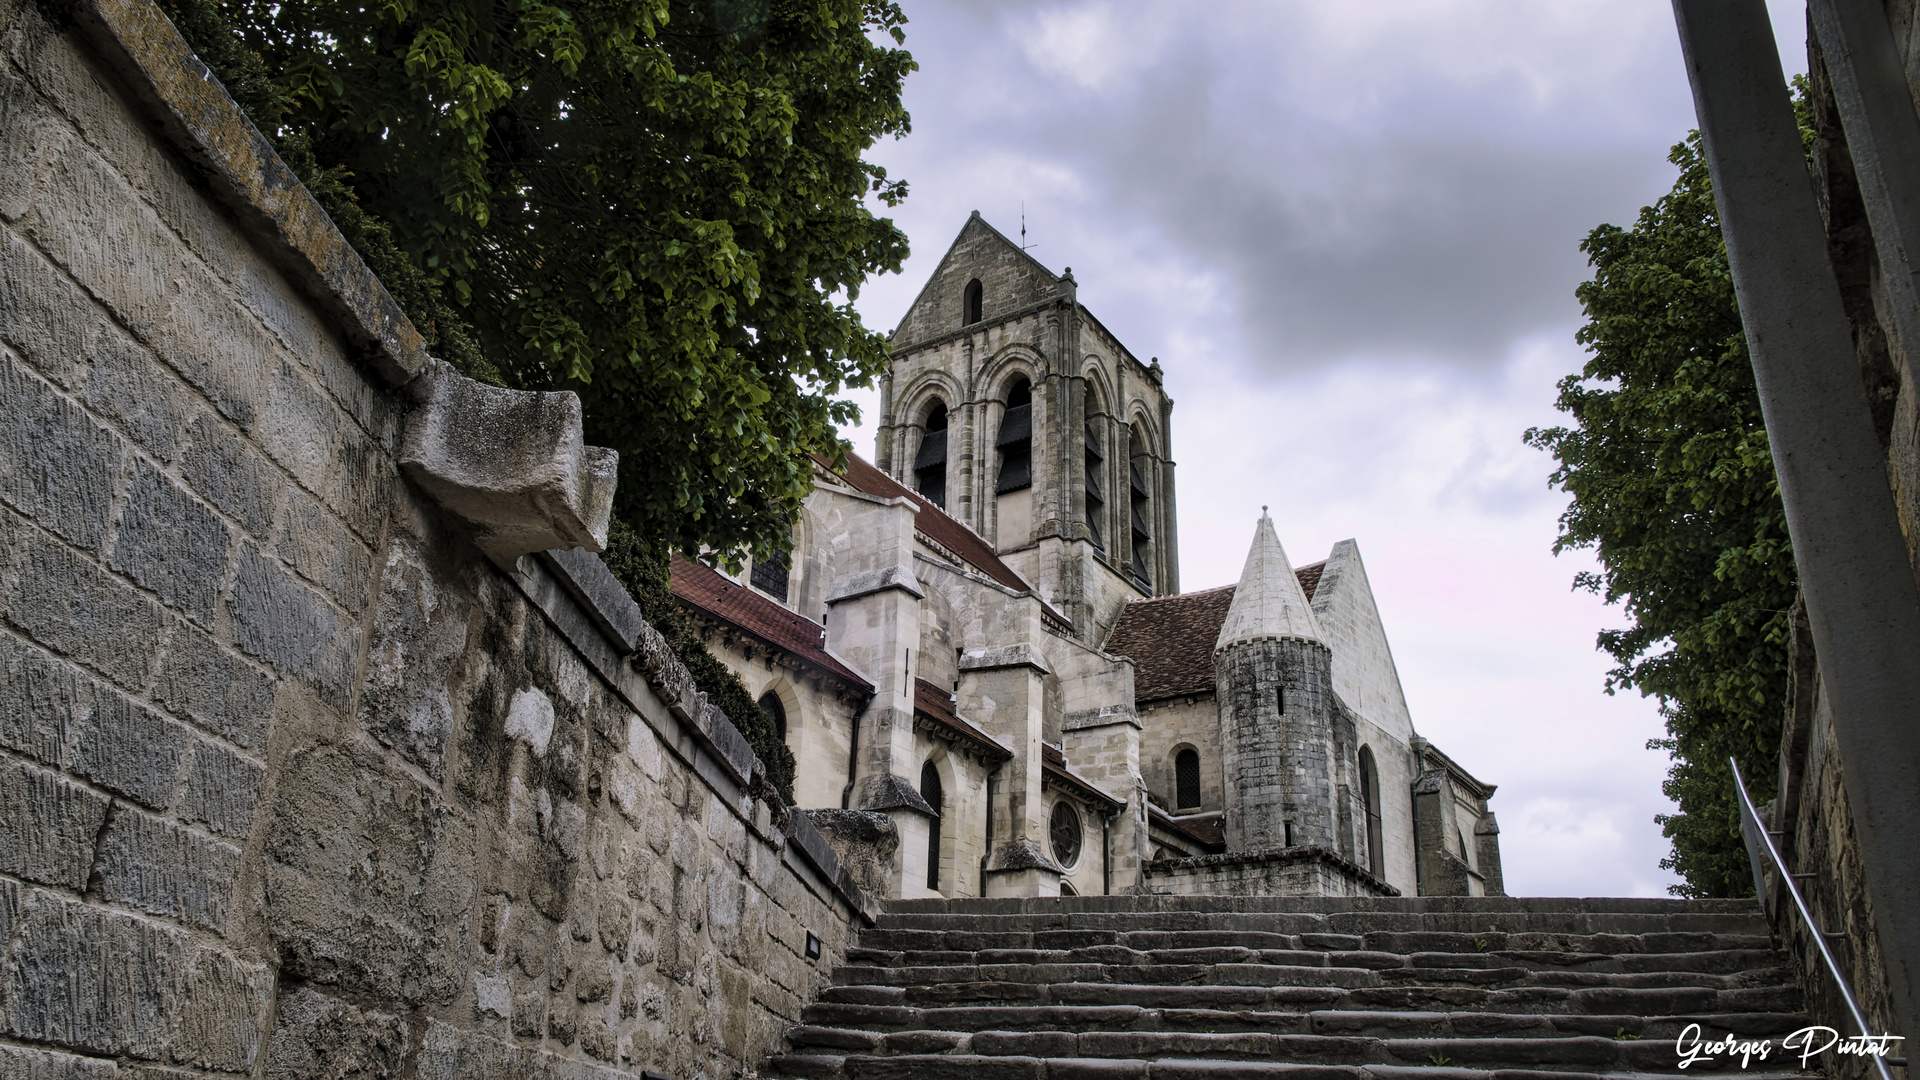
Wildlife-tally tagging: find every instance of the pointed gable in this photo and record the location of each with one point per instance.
(1364, 673)
(1268, 602)
(1010, 280)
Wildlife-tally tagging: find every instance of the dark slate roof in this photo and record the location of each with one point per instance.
(1209, 831)
(1170, 639)
(933, 703)
(706, 590)
(942, 528)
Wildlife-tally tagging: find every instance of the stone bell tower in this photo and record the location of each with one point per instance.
(1273, 674)
(1011, 407)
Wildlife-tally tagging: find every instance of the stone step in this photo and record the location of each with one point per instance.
(1263, 974)
(1374, 1023)
(1339, 905)
(1348, 923)
(988, 1067)
(882, 939)
(1628, 1001)
(1718, 961)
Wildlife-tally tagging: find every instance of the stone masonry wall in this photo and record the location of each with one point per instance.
(293, 781)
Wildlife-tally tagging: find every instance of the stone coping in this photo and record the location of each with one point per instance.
(205, 126)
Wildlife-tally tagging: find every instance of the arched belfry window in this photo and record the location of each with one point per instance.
(930, 464)
(1370, 796)
(1142, 509)
(1096, 463)
(1186, 780)
(972, 313)
(1015, 441)
(930, 791)
(776, 714)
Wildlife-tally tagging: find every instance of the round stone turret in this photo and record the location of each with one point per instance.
(1274, 678)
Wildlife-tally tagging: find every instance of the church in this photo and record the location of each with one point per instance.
(980, 633)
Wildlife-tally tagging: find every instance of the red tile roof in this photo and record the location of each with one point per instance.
(1170, 639)
(940, 527)
(704, 588)
(1310, 577)
(933, 703)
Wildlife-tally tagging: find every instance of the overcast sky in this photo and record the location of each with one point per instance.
(1350, 232)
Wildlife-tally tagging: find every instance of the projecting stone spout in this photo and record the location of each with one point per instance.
(1268, 603)
(512, 464)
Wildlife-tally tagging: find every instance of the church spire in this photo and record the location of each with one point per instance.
(1268, 602)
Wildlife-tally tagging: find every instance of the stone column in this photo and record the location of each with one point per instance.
(873, 621)
(1001, 690)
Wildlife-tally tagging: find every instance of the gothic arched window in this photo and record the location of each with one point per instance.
(1142, 507)
(1095, 465)
(974, 296)
(1015, 441)
(776, 713)
(1186, 780)
(930, 464)
(1370, 796)
(930, 791)
(770, 576)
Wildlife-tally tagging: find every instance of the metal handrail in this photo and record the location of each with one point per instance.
(1759, 840)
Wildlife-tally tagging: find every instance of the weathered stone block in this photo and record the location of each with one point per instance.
(129, 748)
(601, 595)
(56, 465)
(42, 314)
(283, 621)
(221, 788)
(220, 691)
(419, 630)
(170, 543)
(159, 867)
(92, 980)
(231, 474)
(322, 550)
(368, 480)
(316, 1037)
(47, 825)
(127, 385)
(369, 878)
(26, 1063)
(222, 1014)
(513, 465)
(71, 606)
(299, 428)
(41, 700)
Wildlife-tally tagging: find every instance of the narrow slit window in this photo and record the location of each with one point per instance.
(972, 306)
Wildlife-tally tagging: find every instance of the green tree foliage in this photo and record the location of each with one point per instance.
(1672, 484)
(659, 204)
(641, 566)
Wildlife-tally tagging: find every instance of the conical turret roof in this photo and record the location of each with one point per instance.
(1268, 602)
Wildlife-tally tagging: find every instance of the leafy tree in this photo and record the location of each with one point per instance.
(1672, 484)
(659, 204)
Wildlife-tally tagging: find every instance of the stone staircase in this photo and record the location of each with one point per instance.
(1429, 988)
